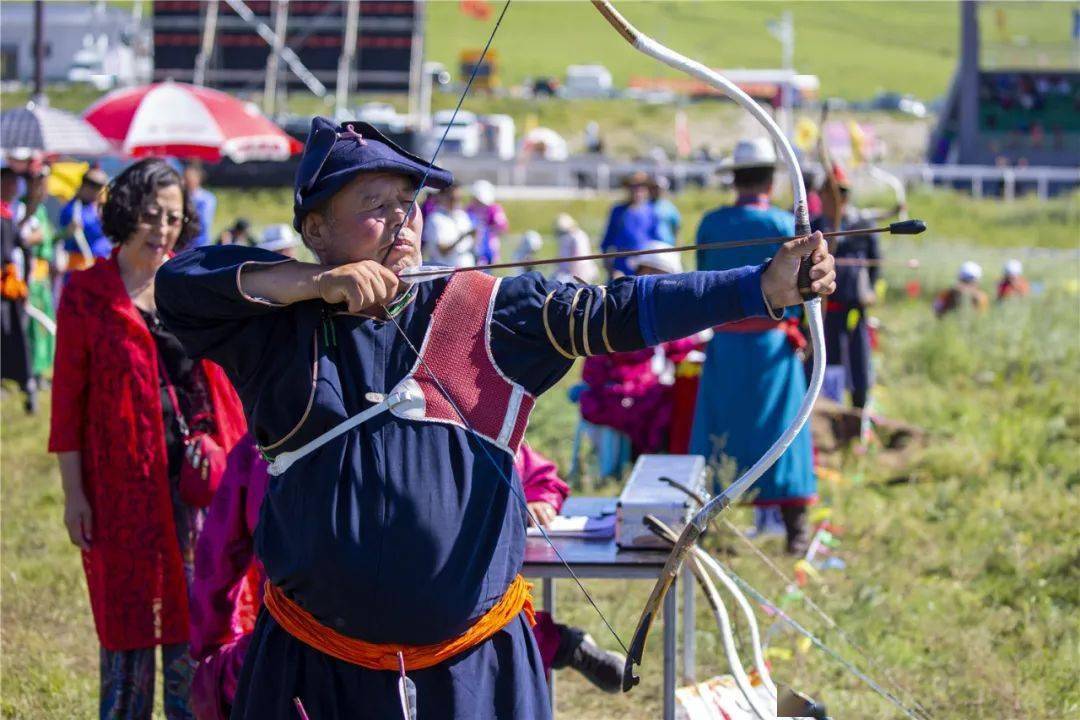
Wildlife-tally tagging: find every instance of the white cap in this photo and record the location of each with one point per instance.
(278, 237)
(564, 223)
(970, 271)
(668, 262)
(1014, 268)
(484, 192)
(532, 241)
(758, 152)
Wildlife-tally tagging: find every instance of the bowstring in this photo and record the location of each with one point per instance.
(829, 621)
(517, 492)
(840, 659)
(438, 146)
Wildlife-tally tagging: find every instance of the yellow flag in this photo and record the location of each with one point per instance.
(806, 134)
(65, 178)
(858, 143)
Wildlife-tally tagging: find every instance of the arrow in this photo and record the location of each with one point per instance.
(431, 272)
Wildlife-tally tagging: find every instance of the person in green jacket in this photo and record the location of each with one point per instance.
(39, 235)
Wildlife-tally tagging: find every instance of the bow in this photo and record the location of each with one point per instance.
(812, 306)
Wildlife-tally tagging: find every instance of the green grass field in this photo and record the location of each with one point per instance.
(964, 583)
(855, 48)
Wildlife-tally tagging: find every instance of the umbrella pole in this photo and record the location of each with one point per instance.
(39, 51)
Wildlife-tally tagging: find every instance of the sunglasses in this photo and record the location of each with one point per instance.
(153, 216)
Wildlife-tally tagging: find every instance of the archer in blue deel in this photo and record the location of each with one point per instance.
(393, 530)
(753, 383)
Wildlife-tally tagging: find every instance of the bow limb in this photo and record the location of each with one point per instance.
(897, 186)
(829, 169)
(812, 306)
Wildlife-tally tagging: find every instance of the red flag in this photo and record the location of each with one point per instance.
(478, 9)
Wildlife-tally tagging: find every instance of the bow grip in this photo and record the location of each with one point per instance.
(803, 281)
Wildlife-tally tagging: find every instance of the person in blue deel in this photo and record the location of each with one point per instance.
(753, 382)
(393, 530)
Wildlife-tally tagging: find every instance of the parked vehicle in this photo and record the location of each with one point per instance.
(88, 65)
(895, 102)
(462, 136)
(498, 136)
(587, 81)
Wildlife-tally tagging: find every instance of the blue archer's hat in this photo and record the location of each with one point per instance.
(335, 154)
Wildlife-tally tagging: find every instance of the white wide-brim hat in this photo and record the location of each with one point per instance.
(278, 237)
(758, 152)
(1014, 268)
(668, 262)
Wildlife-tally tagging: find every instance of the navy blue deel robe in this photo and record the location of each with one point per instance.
(400, 531)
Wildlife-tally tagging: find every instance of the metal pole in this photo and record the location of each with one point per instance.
(39, 51)
(419, 75)
(208, 37)
(689, 645)
(287, 54)
(968, 83)
(670, 614)
(273, 63)
(345, 61)
(423, 117)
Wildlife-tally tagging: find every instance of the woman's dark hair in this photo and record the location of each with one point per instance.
(131, 190)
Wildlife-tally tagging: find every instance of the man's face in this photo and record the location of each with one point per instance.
(450, 199)
(9, 186)
(36, 189)
(639, 194)
(192, 179)
(362, 221)
(89, 192)
(832, 203)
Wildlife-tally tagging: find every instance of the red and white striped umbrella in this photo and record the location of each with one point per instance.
(187, 121)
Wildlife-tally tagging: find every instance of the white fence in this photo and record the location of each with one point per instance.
(602, 174)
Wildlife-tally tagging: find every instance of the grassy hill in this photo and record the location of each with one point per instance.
(856, 48)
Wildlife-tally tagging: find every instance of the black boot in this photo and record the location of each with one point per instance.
(578, 650)
(31, 403)
(797, 527)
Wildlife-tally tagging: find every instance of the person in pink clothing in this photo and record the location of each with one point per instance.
(228, 587)
(562, 645)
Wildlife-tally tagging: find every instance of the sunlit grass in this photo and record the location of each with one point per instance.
(965, 583)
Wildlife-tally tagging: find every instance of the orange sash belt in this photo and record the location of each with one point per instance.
(299, 623)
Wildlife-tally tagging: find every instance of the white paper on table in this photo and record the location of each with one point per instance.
(582, 526)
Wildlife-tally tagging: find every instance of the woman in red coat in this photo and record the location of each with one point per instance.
(141, 431)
